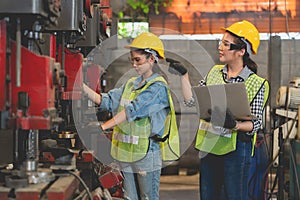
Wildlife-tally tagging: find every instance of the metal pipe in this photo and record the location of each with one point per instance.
(16, 149)
(281, 165)
(18, 53)
(32, 151)
(63, 51)
(298, 128)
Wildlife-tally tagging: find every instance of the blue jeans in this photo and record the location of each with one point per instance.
(226, 176)
(258, 167)
(142, 178)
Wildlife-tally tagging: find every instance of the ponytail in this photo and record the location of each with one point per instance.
(249, 62)
(242, 44)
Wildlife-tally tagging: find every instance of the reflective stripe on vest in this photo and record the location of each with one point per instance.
(130, 141)
(219, 144)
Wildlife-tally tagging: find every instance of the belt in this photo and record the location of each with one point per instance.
(157, 138)
(243, 137)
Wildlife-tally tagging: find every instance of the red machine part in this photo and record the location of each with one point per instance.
(73, 72)
(2, 63)
(53, 46)
(37, 81)
(112, 180)
(93, 77)
(88, 7)
(85, 156)
(105, 4)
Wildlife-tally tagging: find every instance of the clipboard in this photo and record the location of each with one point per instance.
(232, 96)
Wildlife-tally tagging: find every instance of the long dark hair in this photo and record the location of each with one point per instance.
(246, 58)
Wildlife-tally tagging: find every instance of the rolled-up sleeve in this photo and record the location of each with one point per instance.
(148, 102)
(111, 100)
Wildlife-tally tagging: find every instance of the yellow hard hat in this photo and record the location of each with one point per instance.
(147, 40)
(246, 30)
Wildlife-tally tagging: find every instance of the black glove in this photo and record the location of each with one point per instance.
(176, 67)
(222, 118)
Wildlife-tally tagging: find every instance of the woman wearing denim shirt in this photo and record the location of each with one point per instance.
(225, 160)
(140, 108)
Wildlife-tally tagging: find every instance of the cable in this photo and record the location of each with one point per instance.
(295, 170)
(83, 183)
(285, 140)
(80, 180)
(273, 187)
(82, 195)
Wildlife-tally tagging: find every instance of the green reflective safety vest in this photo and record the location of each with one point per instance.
(219, 144)
(130, 140)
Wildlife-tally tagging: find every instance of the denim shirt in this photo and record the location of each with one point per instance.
(152, 102)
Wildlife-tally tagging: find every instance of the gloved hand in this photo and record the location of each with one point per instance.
(222, 118)
(176, 67)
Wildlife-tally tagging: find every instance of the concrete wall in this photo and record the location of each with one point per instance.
(199, 56)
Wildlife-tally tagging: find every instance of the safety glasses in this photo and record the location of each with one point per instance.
(228, 45)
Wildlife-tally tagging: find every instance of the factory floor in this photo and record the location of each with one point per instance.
(182, 186)
(173, 187)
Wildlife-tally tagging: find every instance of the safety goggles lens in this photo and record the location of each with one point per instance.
(228, 45)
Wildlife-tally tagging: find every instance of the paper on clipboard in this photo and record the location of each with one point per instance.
(231, 95)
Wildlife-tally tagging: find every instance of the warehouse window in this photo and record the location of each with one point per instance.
(131, 29)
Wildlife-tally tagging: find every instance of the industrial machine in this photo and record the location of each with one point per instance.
(286, 137)
(43, 50)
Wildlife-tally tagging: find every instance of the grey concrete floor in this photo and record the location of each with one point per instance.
(175, 187)
(181, 187)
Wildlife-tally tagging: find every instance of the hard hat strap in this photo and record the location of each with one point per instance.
(249, 49)
(153, 52)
